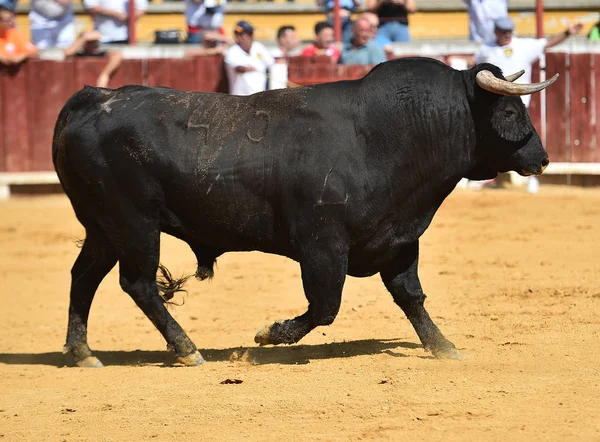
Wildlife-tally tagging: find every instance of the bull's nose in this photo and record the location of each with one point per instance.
(545, 163)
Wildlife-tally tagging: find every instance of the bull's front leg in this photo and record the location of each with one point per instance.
(401, 279)
(324, 269)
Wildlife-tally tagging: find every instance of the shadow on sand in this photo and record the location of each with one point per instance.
(295, 354)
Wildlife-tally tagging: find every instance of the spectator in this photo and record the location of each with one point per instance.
(88, 45)
(374, 22)
(203, 15)
(51, 23)
(324, 42)
(247, 62)
(482, 14)
(362, 49)
(511, 54)
(393, 19)
(14, 46)
(110, 18)
(287, 41)
(347, 7)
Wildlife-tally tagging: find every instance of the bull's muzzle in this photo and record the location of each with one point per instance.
(536, 170)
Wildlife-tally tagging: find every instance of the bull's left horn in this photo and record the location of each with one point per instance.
(486, 80)
(515, 76)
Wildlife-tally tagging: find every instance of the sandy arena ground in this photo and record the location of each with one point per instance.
(513, 280)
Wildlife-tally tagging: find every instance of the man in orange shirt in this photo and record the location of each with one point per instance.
(14, 47)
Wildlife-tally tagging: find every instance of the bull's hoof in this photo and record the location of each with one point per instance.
(447, 353)
(275, 334)
(263, 336)
(89, 362)
(191, 360)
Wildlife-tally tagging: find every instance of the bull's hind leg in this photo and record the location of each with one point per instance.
(402, 280)
(323, 276)
(138, 263)
(95, 260)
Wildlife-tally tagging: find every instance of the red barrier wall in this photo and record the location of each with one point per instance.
(32, 95)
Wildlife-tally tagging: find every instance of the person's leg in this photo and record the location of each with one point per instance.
(384, 33)
(403, 33)
(193, 38)
(41, 38)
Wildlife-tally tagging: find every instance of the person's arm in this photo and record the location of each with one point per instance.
(75, 46)
(411, 6)
(243, 69)
(219, 50)
(141, 6)
(374, 5)
(114, 61)
(572, 29)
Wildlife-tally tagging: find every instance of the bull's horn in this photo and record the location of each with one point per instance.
(515, 76)
(486, 80)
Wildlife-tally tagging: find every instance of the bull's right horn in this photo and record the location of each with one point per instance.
(486, 80)
(515, 76)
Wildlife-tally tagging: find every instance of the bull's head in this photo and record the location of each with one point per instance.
(506, 138)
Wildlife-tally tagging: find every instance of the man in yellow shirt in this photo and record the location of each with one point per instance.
(14, 46)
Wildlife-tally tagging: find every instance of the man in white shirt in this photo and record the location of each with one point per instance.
(247, 62)
(511, 54)
(110, 18)
(482, 15)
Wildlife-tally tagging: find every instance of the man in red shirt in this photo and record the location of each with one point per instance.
(14, 47)
(323, 44)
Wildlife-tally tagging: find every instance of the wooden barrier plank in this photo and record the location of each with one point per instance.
(557, 114)
(87, 70)
(3, 122)
(535, 110)
(178, 74)
(129, 72)
(210, 74)
(50, 86)
(16, 138)
(583, 129)
(595, 91)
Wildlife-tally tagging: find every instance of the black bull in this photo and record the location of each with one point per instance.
(343, 178)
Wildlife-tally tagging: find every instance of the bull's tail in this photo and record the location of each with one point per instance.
(168, 286)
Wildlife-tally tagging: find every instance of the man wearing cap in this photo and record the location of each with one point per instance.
(247, 62)
(511, 54)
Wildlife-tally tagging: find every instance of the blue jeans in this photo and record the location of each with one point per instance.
(194, 38)
(393, 31)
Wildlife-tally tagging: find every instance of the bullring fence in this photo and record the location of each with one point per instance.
(32, 95)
